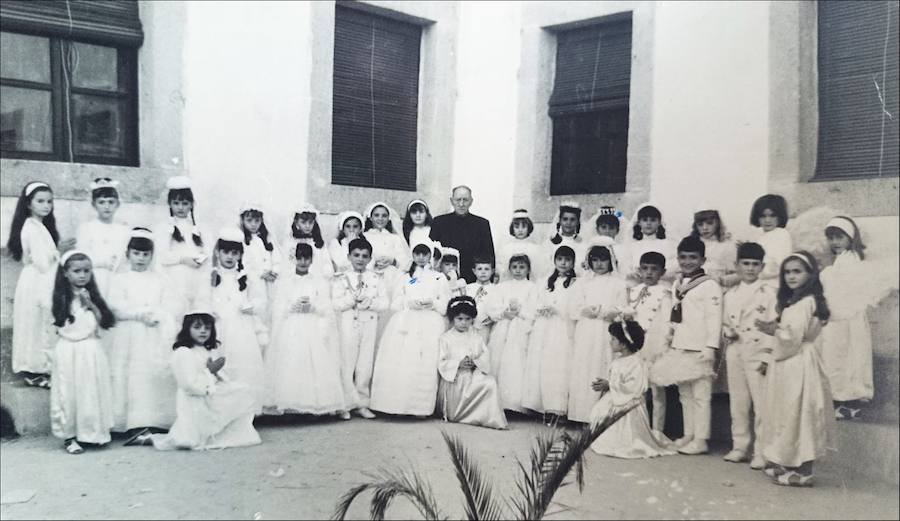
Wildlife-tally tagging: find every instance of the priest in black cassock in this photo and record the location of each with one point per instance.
(468, 233)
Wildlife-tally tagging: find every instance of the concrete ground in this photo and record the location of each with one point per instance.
(304, 466)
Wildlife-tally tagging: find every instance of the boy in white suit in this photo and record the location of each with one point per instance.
(747, 349)
(358, 295)
(697, 324)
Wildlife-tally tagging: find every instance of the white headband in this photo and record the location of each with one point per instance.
(307, 208)
(178, 182)
(69, 254)
(844, 224)
(348, 215)
(103, 182)
(470, 301)
(247, 206)
(570, 204)
(414, 201)
(805, 258)
(34, 185)
(521, 214)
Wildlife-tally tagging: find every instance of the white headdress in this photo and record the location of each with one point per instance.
(521, 214)
(178, 182)
(447, 250)
(844, 224)
(140, 233)
(608, 243)
(34, 185)
(343, 216)
(69, 254)
(248, 205)
(414, 201)
(231, 234)
(308, 208)
(103, 182)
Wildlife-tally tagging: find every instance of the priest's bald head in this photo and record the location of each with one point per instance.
(461, 199)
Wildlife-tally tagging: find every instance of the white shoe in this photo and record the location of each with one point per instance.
(344, 415)
(681, 442)
(757, 463)
(736, 456)
(695, 447)
(365, 413)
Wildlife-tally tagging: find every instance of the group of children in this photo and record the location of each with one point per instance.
(380, 320)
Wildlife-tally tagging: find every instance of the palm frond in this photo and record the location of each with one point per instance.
(480, 502)
(386, 485)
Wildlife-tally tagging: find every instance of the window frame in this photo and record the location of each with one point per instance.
(61, 109)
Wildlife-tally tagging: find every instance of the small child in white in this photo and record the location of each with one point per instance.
(521, 229)
(450, 268)
(358, 296)
(303, 363)
(262, 257)
(103, 239)
(213, 411)
(649, 303)
(479, 290)
(468, 393)
(80, 399)
(305, 229)
(630, 437)
(770, 215)
(747, 350)
(350, 225)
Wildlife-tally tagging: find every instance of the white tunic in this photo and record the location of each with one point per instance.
(33, 334)
(105, 244)
(188, 280)
(480, 292)
(720, 258)
(257, 260)
(778, 245)
(508, 344)
(419, 235)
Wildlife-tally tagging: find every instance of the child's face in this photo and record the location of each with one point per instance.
(41, 203)
(78, 272)
(359, 259)
(749, 269)
(838, 241)
(768, 221)
(568, 223)
(417, 215)
(200, 332)
(252, 223)
(306, 225)
(563, 264)
(649, 225)
(462, 323)
(520, 229)
(483, 272)
(607, 230)
(379, 217)
(228, 258)
(795, 274)
(651, 273)
(690, 261)
(351, 227)
(303, 264)
(421, 258)
(518, 270)
(707, 228)
(599, 266)
(140, 259)
(181, 208)
(106, 207)
(448, 267)
(616, 345)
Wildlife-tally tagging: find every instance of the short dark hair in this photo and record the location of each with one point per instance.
(462, 305)
(104, 191)
(750, 250)
(526, 220)
(692, 244)
(482, 260)
(655, 258)
(633, 330)
(359, 243)
(773, 202)
(303, 251)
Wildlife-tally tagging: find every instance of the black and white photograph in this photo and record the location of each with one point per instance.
(484, 260)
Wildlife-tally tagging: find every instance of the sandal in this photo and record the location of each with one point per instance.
(42, 381)
(794, 479)
(773, 471)
(138, 438)
(72, 446)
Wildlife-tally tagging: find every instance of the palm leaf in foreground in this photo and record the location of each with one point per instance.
(387, 484)
(480, 502)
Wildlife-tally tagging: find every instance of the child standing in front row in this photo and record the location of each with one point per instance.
(747, 351)
(303, 363)
(798, 422)
(625, 383)
(649, 303)
(770, 215)
(103, 239)
(468, 393)
(449, 264)
(358, 296)
(546, 386)
(80, 403)
(480, 290)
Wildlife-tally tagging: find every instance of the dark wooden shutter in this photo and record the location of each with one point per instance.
(858, 89)
(97, 21)
(375, 104)
(589, 107)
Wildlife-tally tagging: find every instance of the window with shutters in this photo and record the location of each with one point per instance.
(375, 101)
(858, 94)
(68, 81)
(589, 108)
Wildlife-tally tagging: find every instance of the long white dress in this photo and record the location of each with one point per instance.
(321, 266)
(508, 344)
(592, 354)
(405, 378)
(257, 260)
(33, 335)
(239, 332)
(481, 293)
(143, 388)
(539, 266)
(546, 385)
(630, 437)
(799, 416)
(187, 280)
(213, 413)
(468, 396)
(778, 245)
(105, 244)
(393, 248)
(80, 403)
(303, 363)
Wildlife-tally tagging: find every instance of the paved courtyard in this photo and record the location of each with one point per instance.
(304, 466)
